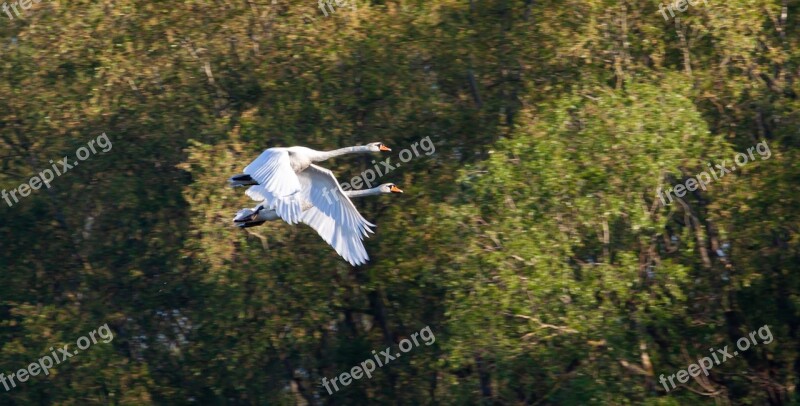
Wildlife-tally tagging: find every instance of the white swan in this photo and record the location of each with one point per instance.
(257, 216)
(276, 171)
(334, 226)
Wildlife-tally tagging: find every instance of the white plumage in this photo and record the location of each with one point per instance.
(291, 187)
(347, 241)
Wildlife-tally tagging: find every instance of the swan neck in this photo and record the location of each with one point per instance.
(323, 155)
(362, 193)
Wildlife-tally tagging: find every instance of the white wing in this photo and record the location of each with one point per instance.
(278, 185)
(333, 215)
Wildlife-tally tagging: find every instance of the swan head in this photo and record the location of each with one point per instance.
(378, 147)
(388, 188)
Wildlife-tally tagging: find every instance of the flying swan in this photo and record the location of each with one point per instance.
(327, 209)
(246, 218)
(277, 173)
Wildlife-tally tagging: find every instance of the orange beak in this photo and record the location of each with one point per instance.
(395, 189)
(384, 148)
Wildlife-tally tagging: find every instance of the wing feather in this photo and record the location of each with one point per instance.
(279, 186)
(333, 215)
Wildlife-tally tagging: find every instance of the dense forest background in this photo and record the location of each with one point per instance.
(532, 243)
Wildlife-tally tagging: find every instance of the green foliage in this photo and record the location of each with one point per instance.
(533, 242)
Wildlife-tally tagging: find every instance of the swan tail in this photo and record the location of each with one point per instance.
(242, 180)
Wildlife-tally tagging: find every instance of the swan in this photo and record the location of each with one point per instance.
(336, 220)
(257, 216)
(277, 171)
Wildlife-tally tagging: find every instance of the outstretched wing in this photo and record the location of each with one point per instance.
(333, 215)
(278, 186)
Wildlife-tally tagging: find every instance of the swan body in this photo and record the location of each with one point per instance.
(257, 216)
(333, 217)
(290, 186)
(276, 174)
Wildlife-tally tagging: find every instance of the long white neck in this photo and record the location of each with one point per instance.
(323, 155)
(271, 215)
(366, 192)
